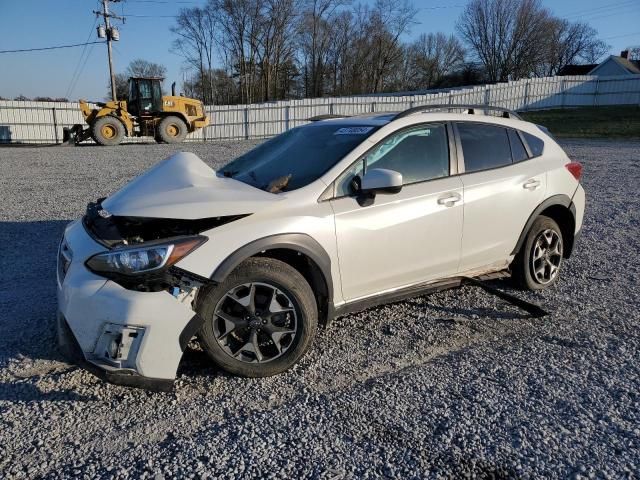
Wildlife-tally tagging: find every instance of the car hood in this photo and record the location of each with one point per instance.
(183, 186)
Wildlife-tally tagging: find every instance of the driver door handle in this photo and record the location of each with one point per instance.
(449, 200)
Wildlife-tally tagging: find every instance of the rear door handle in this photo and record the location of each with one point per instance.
(531, 184)
(449, 200)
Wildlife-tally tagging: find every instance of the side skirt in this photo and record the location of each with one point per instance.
(412, 291)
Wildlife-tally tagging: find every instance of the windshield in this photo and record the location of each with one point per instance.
(297, 157)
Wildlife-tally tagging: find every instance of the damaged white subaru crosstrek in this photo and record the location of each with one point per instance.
(325, 219)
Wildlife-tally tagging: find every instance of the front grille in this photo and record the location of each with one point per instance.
(64, 260)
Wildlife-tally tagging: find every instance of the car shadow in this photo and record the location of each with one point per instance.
(491, 313)
(23, 392)
(28, 293)
(28, 346)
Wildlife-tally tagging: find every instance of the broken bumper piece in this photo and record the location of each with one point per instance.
(119, 376)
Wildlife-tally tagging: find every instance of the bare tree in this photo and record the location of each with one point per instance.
(144, 68)
(519, 38)
(240, 23)
(569, 43)
(122, 87)
(315, 34)
(276, 47)
(195, 29)
(594, 52)
(431, 57)
(388, 20)
(224, 88)
(136, 68)
(634, 52)
(507, 36)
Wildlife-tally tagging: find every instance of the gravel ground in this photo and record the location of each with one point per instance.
(453, 384)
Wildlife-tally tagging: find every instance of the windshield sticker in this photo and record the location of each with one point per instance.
(353, 130)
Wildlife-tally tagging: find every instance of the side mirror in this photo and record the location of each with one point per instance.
(381, 180)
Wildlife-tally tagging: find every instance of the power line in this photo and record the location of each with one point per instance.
(76, 70)
(594, 15)
(151, 16)
(48, 48)
(599, 16)
(442, 7)
(84, 64)
(623, 35)
(601, 7)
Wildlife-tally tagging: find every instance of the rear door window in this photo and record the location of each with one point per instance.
(484, 146)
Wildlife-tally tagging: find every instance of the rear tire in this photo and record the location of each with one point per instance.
(260, 320)
(107, 131)
(172, 129)
(538, 263)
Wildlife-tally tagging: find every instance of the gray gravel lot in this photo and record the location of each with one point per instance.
(453, 384)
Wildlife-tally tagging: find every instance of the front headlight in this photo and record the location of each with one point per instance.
(142, 259)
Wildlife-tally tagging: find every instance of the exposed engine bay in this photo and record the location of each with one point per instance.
(113, 231)
(119, 231)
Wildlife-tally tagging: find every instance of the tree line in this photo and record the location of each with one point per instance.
(246, 51)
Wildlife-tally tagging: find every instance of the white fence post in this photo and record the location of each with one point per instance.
(246, 123)
(487, 98)
(525, 105)
(55, 124)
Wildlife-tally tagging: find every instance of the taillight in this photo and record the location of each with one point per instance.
(575, 168)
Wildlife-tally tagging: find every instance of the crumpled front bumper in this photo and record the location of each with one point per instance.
(126, 337)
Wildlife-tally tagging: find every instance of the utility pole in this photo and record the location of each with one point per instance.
(112, 34)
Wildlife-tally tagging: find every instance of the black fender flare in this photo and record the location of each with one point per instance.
(299, 242)
(560, 199)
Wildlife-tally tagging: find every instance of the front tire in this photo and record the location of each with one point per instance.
(260, 320)
(537, 265)
(172, 129)
(107, 131)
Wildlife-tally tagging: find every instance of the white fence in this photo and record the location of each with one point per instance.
(42, 122)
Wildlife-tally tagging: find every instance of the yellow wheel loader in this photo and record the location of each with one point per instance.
(146, 113)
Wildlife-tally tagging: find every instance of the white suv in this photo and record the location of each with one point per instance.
(325, 219)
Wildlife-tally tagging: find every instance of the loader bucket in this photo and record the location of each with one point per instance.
(74, 135)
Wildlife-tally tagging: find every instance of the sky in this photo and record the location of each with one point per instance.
(145, 34)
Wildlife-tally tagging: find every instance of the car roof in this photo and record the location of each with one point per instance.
(380, 119)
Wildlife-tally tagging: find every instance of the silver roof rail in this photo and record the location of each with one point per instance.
(471, 109)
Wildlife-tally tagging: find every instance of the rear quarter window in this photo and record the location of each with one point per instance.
(536, 145)
(518, 151)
